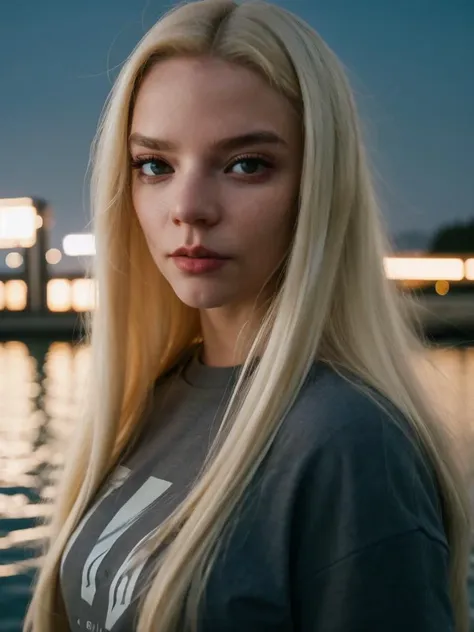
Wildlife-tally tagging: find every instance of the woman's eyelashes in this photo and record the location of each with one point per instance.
(150, 167)
(246, 166)
(252, 165)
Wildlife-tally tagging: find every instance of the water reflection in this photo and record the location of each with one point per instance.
(41, 386)
(41, 395)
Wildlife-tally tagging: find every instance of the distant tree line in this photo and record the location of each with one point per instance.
(457, 237)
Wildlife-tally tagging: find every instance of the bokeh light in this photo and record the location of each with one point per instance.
(53, 256)
(14, 260)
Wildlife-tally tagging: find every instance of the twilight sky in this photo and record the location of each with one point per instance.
(410, 63)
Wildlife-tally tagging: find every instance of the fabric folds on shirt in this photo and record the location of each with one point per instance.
(341, 529)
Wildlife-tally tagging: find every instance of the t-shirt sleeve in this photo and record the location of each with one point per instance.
(369, 552)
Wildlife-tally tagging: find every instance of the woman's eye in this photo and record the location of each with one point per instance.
(153, 168)
(149, 168)
(249, 166)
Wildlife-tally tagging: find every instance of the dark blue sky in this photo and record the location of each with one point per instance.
(410, 62)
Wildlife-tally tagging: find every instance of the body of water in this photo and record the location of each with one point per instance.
(41, 393)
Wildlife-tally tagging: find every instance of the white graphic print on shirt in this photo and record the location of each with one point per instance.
(123, 584)
(116, 480)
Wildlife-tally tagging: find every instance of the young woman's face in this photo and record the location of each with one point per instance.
(216, 156)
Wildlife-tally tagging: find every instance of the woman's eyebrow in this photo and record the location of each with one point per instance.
(260, 137)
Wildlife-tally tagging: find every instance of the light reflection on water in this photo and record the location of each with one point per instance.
(41, 394)
(41, 387)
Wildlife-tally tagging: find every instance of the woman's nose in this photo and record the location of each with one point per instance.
(194, 200)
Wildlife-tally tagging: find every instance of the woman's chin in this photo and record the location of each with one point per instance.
(202, 298)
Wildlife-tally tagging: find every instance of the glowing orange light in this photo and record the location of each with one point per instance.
(16, 295)
(442, 287)
(83, 295)
(2, 296)
(424, 268)
(18, 223)
(58, 295)
(469, 269)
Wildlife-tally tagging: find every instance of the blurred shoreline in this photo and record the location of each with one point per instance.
(439, 317)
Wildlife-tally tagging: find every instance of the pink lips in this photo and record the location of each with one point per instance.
(198, 265)
(197, 251)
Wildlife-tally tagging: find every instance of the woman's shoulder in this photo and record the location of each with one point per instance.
(352, 445)
(336, 404)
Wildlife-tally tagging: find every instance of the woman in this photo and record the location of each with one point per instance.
(257, 453)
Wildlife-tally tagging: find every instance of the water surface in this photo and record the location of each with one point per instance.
(41, 394)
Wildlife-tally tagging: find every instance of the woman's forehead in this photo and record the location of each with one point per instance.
(215, 97)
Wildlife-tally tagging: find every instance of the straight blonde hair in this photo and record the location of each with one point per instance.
(334, 304)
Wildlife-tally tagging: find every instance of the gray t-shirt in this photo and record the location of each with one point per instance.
(340, 531)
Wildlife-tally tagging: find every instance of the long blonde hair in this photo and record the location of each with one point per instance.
(334, 304)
